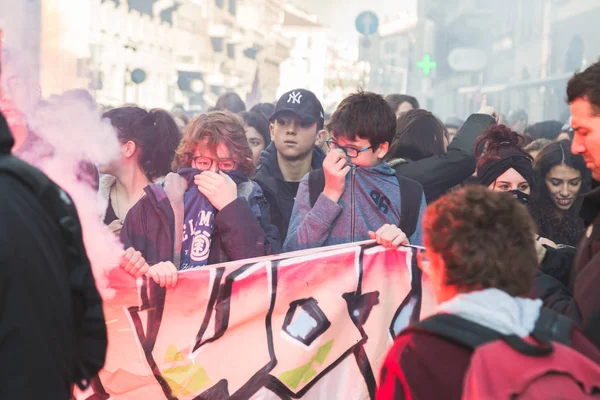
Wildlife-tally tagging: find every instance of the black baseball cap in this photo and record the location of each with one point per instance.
(304, 104)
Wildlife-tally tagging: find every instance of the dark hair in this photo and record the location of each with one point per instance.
(155, 134)
(485, 238)
(232, 102)
(544, 130)
(259, 122)
(266, 109)
(586, 84)
(394, 101)
(496, 143)
(537, 145)
(366, 115)
(419, 134)
(517, 115)
(566, 230)
(211, 130)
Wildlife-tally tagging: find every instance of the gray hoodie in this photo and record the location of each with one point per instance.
(376, 196)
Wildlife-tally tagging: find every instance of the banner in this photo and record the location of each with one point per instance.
(313, 325)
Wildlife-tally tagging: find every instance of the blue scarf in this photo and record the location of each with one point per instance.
(199, 215)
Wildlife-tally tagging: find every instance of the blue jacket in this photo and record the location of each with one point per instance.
(240, 230)
(281, 199)
(371, 199)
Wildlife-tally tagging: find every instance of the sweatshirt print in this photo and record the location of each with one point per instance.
(376, 202)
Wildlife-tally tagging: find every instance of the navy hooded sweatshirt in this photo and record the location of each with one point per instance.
(278, 192)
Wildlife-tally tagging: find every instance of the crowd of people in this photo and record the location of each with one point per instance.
(511, 230)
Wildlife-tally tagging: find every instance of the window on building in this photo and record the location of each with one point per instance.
(230, 50)
(232, 6)
(217, 44)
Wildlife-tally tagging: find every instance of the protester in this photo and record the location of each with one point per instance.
(401, 103)
(480, 257)
(517, 121)
(230, 101)
(453, 125)
(148, 143)
(295, 127)
(257, 133)
(583, 93)
(417, 150)
(361, 196)
(561, 178)
(225, 214)
(266, 109)
(536, 146)
(504, 166)
(544, 130)
(52, 330)
(180, 117)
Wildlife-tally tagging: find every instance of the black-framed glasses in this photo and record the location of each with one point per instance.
(205, 163)
(349, 151)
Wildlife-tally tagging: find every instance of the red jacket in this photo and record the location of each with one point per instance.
(424, 366)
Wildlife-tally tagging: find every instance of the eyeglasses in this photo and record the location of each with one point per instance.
(349, 151)
(204, 163)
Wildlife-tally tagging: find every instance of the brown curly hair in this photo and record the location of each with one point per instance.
(485, 238)
(211, 130)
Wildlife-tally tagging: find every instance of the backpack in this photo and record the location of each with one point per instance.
(411, 193)
(87, 305)
(542, 366)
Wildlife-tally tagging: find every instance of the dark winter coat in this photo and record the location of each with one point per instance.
(40, 345)
(587, 271)
(438, 174)
(240, 230)
(279, 196)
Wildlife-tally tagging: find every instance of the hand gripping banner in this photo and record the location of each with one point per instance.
(315, 324)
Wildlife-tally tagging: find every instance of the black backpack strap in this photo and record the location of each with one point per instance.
(316, 184)
(456, 329)
(552, 326)
(411, 195)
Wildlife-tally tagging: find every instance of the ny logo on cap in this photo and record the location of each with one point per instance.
(295, 97)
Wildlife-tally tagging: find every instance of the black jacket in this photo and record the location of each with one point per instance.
(237, 234)
(587, 271)
(438, 174)
(39, 339)
(281, 199)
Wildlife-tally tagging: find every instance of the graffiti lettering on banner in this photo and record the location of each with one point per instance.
(312, 324)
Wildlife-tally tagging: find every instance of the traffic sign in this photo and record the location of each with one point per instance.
(367, 23)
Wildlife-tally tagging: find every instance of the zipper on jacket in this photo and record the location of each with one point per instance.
(352, 202)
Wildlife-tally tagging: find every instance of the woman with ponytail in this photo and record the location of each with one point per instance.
(148, 143)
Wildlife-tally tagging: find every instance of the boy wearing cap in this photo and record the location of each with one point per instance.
(361, 196)
(295, 127)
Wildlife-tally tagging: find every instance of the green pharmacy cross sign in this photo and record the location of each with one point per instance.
(426, 65)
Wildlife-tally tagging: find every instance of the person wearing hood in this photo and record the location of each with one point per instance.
(419, 150)
(295, 127)
(481, 259)
(208, 212)
(52, 330)
(361, 197)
